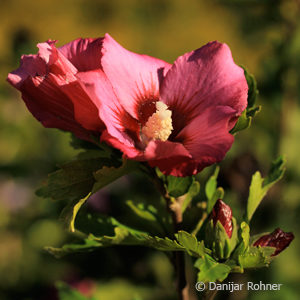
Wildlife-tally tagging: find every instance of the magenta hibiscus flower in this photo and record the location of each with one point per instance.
(176, 117)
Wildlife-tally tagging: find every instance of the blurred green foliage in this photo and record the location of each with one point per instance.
(264, 36)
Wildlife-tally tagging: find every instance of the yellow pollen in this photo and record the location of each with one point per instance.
(159, 125)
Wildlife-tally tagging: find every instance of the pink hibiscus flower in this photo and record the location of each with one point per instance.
(176, 117)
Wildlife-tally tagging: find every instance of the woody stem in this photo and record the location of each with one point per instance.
(174, 206)
(179, 261)
(210, 295)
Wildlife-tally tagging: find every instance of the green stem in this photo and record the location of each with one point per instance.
(199, 224)
(174, 206)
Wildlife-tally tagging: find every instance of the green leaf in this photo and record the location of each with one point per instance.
(256, 257)
(122, 236)
(235, 267)
(251, 112)
(218, 194)
(192, 246)
(244, 240)
(65, 292)
(211, 184)
(188, 197)
(86, 245)
(107, 174)
(245, 119)
(78, 179)
(141, 211)
(75, 179)
(145, 217)
(178, 186)
(242, 123)
(77, 143)
(107, 231)
(182, 188)
(103, 177)
(276, 172)
(248, 256)
(245, 235)
(69, 213)
(248, 114)
(210, 270)
(212, 192)
(252, 88)
(260, 186)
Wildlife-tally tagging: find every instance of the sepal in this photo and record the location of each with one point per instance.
(217, 239)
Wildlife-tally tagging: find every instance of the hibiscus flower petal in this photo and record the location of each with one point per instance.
(159, 150)
(55, 62)
(134, 77)
(49, 88)
(84, 54)
(129, 151)
(48, 60)
(119, 123)
(181, 166)
(30, 65)
(169, 157)
(206, 137)
(207, 140)
(156, 152)
(33, 64)
(50, 106)
(86, 110)
(202, 78)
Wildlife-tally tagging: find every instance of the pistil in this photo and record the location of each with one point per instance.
(159, 125)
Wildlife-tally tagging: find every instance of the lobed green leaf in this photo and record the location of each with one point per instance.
(248, 256)
(107, 174)
(256, 257)
(178, 186)
(211, 184)
(260, 186)
(188, 197)
(147, 217)
(75, 179)
(192, 246)
(210, 270)
(213, 193)
(107, 231)
(80, 178)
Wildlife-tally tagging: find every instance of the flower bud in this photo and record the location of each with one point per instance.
(222, 212)
(221, 231)
(277, 239)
